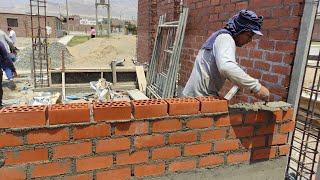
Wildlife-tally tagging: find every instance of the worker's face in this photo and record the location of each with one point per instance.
(243, 38)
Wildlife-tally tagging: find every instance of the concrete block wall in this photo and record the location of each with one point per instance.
(268, 58)
(130, 140)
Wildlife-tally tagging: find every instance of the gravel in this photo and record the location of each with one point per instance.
(54, 54)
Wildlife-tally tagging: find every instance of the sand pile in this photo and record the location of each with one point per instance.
(99, 52)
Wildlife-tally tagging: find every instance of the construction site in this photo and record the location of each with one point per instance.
(111, 106)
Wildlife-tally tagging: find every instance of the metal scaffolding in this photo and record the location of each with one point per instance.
(39, 61)
(165, 60)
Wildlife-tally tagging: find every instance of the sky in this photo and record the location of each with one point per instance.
(126, 8)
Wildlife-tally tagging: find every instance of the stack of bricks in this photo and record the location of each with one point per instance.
(268, 58)
(128, 140)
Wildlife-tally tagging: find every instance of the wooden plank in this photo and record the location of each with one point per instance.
(141, 77)
(137, 95)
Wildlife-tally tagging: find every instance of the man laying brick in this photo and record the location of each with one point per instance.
(216, 61)
(5, 59)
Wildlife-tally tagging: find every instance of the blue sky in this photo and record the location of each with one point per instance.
(127, 8)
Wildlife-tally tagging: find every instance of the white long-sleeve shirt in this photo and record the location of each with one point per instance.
(213, 67)
(12, 36)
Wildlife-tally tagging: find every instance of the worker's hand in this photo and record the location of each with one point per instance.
(263, 94)
(15, 74)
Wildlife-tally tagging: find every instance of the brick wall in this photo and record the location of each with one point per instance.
(268, 58)
(24, 24)
(123, 140)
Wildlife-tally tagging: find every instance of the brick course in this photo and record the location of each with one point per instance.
(143, 147)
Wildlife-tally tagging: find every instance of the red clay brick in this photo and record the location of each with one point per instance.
(166, 125)
(166, 153)
(198, 123)
(287, 127)
(238, 132)
(177, 138)
(216, 134)
(149, 170)
(78, 177)
(135, 157)
(229, 120)
(269, 129)
(212, 104)
(69, 113)
(278, 115)
(90, 163)
(182, 165)
(197, 149)
(25, 156)
(50, 169)
(10, 139)
(47, 135)
(256, 117)
(132, 128)
(13, 173)
(211, 160)
(239, 157)
(264, 153)
(253, 142)
(283, 150)
(115, 110)
(278, 139)
(149, 108)
(70, 150)
(111, 145)
(182, 106)
(101, 130)
(228, 145)
(149, 141)
(114, 174)
(23, 116)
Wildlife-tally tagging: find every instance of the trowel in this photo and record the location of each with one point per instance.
(232, 92)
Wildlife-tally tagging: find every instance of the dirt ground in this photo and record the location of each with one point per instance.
(99, 52)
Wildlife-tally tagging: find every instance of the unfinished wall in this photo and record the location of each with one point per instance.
(268, 58)
(159, 137)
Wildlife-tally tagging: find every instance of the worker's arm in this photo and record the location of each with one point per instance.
(5, 56)
(225, 55)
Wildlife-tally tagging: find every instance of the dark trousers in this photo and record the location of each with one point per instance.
(1, 90)
(93, 36)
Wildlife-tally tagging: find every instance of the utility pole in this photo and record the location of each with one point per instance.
(109, 19)
(67, 16)
(120, 24)
(96, 16)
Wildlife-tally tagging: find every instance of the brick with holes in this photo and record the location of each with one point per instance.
(182, 106)
(149, 108)
(23, 116)
(69, 113)
(116, 110)
(213, 104)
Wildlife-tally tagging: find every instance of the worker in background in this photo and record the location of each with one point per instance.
(5, 59)
(12, 35)
(216, 61)
(93, 32)
(6, 41)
